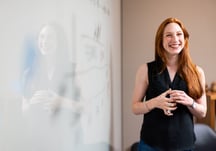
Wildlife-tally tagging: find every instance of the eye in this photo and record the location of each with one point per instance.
(179, 34)
(168, 35)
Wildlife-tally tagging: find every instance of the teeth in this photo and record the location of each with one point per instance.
(174, 45)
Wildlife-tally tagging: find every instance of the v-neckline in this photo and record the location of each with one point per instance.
(171, 81)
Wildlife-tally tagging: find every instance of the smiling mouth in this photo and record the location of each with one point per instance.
(174, 45)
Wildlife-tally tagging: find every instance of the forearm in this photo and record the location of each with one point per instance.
(144, 107)
(198, 110)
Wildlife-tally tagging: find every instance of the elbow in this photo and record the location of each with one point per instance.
(202, 114)
(135, 112)
(134, 109)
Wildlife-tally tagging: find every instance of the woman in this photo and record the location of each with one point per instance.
(174, 91)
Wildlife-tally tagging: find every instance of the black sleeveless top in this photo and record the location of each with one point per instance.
(167, 133)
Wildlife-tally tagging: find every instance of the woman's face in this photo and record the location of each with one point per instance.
(173, 39)
(47, 40)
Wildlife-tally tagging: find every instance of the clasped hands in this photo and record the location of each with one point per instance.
(168, 100)
(48, 98)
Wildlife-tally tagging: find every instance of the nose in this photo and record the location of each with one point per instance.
(174, 37)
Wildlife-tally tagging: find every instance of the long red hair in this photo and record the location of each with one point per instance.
(186, 68)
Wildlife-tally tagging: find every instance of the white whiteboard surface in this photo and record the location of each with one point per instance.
(77, 76)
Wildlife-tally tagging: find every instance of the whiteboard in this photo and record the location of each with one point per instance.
(56, 78)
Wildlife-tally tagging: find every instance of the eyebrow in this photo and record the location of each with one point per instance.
(173, 32)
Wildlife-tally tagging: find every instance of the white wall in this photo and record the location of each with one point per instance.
(141, 19)
(92, 30)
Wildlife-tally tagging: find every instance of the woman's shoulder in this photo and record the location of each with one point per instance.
(142, 73)
(144, 67)
(200, 69)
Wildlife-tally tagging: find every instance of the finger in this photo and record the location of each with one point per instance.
(168, 112)
(171, 103)
(168, 104)
(167, 92)
(171, 108)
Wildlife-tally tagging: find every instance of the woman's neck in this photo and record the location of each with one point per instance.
(172, 61)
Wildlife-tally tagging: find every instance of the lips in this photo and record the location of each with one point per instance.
(174, 45)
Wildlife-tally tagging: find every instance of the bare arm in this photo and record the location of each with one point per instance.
(200, 104)
(141, 84)
(200, 108)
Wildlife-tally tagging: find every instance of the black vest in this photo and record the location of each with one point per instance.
(168, 133)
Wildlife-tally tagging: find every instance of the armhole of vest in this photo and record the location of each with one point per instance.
(149, 65)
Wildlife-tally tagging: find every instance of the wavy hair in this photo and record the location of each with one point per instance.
(186, 68)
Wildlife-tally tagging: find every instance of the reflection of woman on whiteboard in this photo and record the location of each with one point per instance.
(48, 87)
(48, 79)
(43, 83)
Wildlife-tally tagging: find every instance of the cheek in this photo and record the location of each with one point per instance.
(165, 43)
(183, 42)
